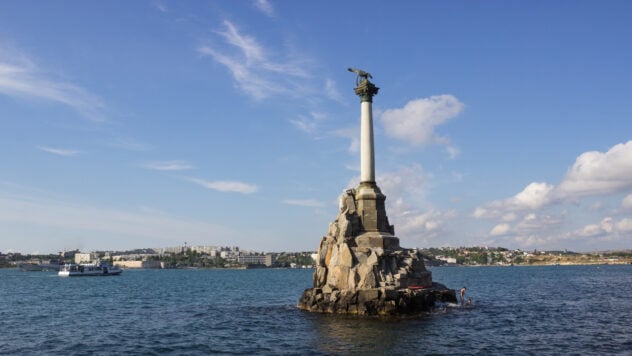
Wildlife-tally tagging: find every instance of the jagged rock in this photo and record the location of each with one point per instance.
(367, 277)
(345, 258)
(353, 280)
(372, 259)
(376, 301)
(374, 278)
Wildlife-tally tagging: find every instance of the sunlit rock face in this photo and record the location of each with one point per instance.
(367, 272)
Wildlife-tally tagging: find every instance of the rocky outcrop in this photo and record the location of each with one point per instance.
(367, 272)
(386, 301)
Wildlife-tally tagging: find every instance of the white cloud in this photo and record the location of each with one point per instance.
(353, 135)
(304, 124)
(309, 123)
(607, 224)
(482, 213)
(500, 229)
(592, 230)
(596, 173)
(530, 241)
(624, 225)
(265, 6)
(425, 228)
(160, 6)
(415, 123)
(453, 151)
(407, 183)
(534, 196)
(225, 186)
(592, 174)
(405, 192)
(59, 151)
(312, 203)
(332, 92)
(20, 78)
(627, 202)
(253, 71)
(168, 165)
(607, 229)
(540, 223)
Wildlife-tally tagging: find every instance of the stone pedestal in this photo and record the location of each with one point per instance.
(376, 301)
(367, 272)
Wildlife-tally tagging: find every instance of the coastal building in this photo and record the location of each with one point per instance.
(140, 264)
(84, 257)
(450, 260)
(255, 259)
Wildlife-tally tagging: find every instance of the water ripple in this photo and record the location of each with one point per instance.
(527, 310)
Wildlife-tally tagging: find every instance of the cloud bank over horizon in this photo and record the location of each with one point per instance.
(594, 174)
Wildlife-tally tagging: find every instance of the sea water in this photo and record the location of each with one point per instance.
(516, 310)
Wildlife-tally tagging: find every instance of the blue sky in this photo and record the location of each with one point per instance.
(151, 123)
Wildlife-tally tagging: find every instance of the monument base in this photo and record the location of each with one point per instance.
(361, 269)
(385, 301)
(377, 240)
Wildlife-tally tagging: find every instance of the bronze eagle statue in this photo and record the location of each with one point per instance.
(362, 75)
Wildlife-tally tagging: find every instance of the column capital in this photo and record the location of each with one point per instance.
(365, 90)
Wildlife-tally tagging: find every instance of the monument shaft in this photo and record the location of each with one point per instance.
(367, 150)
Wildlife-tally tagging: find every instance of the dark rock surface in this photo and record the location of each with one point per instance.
(376, 301)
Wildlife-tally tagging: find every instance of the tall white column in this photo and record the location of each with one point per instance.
(367, 151)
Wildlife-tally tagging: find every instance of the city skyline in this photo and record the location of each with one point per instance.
(230, 123)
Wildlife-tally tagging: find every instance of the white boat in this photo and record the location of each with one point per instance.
(88, 269)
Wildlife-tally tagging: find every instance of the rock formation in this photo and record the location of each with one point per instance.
(369, 280)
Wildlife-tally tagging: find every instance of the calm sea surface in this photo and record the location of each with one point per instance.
(518, 310)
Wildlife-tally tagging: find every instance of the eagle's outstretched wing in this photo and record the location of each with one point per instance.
(360, 73)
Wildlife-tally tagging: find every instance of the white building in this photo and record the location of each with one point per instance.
(255, 259)
(83, 257)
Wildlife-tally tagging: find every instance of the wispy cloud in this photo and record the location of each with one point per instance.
(129, 144)
(408, 209)
(308, 123)
(20, 78)
(332, 92)
(353, 135)
(168, 165)
(160, 6)
(265, 6)
(225, 186)
(123, 228)
(59, 151)
(253, 70)
(311, 203)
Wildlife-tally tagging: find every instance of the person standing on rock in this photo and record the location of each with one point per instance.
(463, 295)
